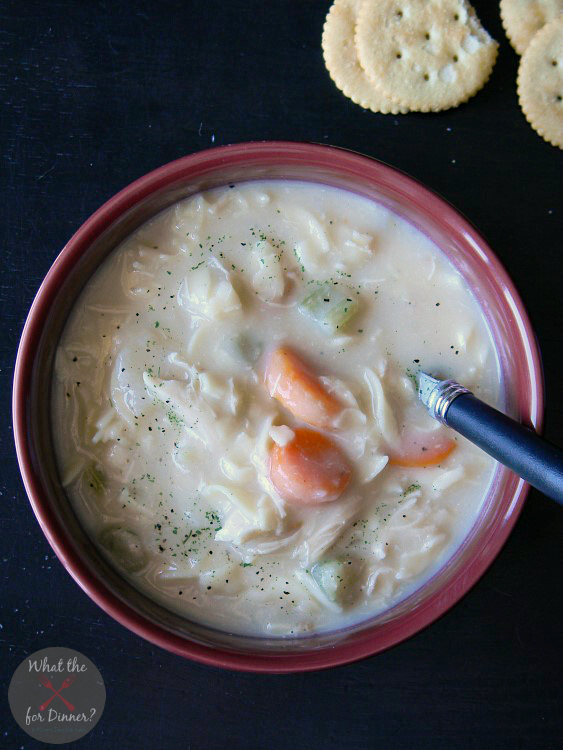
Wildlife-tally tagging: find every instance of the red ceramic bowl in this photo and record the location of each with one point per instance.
(521, 388)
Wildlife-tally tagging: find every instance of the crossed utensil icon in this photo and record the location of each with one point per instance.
(48, 684)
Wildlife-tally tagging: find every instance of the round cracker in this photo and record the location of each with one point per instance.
(540, 82)
(341, 59)
(524, 18)
(427, 55)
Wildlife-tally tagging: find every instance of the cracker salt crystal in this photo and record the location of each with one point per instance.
(524, 18)
(540, 82)
(341, 59)
(426, 55)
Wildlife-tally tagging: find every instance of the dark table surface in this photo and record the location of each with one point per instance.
(95, 94)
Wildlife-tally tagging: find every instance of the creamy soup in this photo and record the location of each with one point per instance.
(235, 408)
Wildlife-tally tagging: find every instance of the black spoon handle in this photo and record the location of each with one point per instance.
(516, 446)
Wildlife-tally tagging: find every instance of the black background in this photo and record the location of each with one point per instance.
(95, 94)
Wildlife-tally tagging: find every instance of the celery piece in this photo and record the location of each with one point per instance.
(95, 479)
(125, 548)
(330, 306)
(329, 576)
(245, 349)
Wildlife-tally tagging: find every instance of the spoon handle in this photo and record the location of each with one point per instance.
(511, 443)
(516, 446)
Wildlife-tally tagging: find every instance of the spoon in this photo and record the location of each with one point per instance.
(508, 441)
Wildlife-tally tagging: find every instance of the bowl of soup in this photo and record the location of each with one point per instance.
(216, 415)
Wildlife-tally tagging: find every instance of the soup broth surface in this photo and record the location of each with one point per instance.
(166, 430)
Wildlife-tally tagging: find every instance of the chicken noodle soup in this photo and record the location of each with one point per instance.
(235, 408)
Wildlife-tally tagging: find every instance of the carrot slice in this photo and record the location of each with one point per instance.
(310, 469)
(296, 387)
(422, 450)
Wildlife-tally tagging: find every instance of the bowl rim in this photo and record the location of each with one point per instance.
(348, 651)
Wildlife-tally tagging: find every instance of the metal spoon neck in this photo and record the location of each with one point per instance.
(437, 395)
